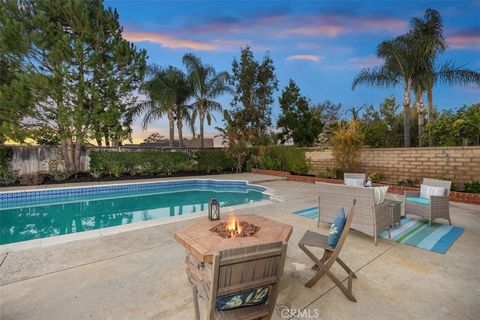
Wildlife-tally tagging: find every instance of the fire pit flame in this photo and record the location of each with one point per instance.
(234, 227)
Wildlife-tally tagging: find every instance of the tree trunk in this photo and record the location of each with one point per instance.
(77, 153)
(202, 120)
(180, 132)
(107, 140)
(431, 114)
(421, 116)
(171, 124)
(406, 115)
(66, 149)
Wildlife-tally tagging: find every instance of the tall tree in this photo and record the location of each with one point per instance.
(207, 85)
(16, 100)
(297, 120)
(254, 84)
(73, 48)
(428, 43)
(410, 60)
(399, 68)
(429, 37)
(167, 90)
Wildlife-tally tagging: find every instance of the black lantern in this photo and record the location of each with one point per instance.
(213, 209)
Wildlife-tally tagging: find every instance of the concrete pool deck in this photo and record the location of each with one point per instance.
(140, 274)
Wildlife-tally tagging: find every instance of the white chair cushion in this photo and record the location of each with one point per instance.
(427, 191)
(353, 182)
(379, 194)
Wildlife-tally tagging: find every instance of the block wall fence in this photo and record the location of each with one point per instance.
(461, 164)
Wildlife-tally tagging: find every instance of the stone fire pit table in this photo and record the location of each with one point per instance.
(200, 243)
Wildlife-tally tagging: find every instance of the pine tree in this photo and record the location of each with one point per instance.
(254, 84)
(80, 68)
(298, 121)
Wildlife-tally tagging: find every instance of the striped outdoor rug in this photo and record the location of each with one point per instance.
(412, 231)
(415, 232)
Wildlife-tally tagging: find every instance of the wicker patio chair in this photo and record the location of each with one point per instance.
(370, 218)
(362, 176)
(241, 269)
(436, 207)
(330, 256)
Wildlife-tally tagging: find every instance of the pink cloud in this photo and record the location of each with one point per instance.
(168, 41)
(465, 39)
(380, 24)
(288, 25)
(308, 57)
(325, 30)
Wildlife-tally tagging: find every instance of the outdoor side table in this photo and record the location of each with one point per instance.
(395, 210)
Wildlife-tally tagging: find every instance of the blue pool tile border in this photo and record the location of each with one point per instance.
(8, 199)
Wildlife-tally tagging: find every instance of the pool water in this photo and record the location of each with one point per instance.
(30, 218)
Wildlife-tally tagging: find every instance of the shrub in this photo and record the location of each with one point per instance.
(284, 158)
(214, 161)
(5, 155)
(8, 177)
(377, 177)
(332, 173)
(346, 144)
(59, 175)
(132, 163)
(31, 179)
(408, 183)
(472, 186)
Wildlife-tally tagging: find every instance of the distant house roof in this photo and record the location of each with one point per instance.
(187, 143)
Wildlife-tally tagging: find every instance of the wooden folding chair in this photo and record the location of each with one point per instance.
(241, 269)
(330, 255)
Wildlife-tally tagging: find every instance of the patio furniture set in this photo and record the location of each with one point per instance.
(236, 267)
(375, 215)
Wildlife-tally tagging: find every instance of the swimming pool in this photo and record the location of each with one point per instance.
(46, 213)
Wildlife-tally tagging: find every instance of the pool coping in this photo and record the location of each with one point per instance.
(91, 234)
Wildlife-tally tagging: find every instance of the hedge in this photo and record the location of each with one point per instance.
(104, 163)
(214, 161)
(120, 163)
(283, 158)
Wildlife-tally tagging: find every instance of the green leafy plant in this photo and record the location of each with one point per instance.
(5, 155)
(31, 179)
(377, 177)
(284, 158)
(472, 186)
(59, 175)
(214, 161)
(331, 173)
(103, 163)
(346, 144)
(408, 183)
(8, 177)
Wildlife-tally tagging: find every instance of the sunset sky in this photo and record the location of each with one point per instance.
(319, 44)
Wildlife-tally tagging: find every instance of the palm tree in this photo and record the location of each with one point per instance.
(410, 60)
(207, 85)
(182, 111)
(399, 68)
(429, 43)
(167, 91)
